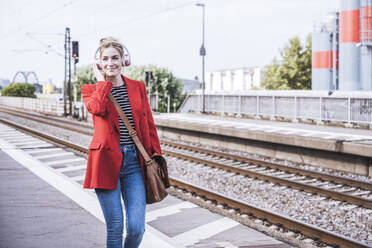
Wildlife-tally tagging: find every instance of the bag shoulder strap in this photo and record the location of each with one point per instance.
(131, 131)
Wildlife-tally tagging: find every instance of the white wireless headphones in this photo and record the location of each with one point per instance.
(126, 61)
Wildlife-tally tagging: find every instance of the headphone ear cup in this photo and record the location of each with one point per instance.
(126, 60)
(126, 56)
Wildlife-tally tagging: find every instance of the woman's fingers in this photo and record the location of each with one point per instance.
(97, 73)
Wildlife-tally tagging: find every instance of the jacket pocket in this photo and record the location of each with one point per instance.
(94, 146)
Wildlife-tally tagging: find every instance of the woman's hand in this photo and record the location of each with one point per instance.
(97, 73)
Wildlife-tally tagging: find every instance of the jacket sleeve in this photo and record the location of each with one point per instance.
(154, 139)
(95, 100)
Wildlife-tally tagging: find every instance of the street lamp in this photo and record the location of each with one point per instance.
(203, 53)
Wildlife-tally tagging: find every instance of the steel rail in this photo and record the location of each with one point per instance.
(53, 121)
(304, 172)
(46, 136)
(52, 118)
(280, 220)
(359, 201)
(275, 218)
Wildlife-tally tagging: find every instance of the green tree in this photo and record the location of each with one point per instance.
(84, 75)
(164, 83)
(20, 90)
(294, 70)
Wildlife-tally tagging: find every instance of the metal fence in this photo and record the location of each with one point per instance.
(348, 107)
(50, 106)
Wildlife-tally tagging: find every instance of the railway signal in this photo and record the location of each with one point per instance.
(75, 51)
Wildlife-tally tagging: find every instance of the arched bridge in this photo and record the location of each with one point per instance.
(27, 75)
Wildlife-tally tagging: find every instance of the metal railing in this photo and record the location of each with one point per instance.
(348, 107)
(50, 106)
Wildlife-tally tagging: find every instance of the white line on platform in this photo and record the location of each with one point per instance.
(226, 124)
(12, 139)
(204, 231)
(26, 142)
(72, 168)
(332, 137)
(44, 150)
(288, 132)
(35, 146)
(64, 161)
(227, 245)
(5, 130)
(174, 209)
(257, 128)
(241, 126)
(271, 130)
(54, 155)
(78, 178)
(306, 134)
(14, 134)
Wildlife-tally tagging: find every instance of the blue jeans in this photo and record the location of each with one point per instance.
(132, 189)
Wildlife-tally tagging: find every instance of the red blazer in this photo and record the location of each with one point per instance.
(105, 157)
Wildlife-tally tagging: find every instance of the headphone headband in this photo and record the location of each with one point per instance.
(126, 61)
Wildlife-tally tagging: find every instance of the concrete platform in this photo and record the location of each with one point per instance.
(322, 145)
(43, 204)
(34, 214)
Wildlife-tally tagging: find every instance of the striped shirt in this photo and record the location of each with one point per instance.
(121, 96)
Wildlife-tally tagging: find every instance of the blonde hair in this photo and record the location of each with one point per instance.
(110, 42)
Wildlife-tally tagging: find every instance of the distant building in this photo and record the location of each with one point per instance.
(57, 90)
(190, 85)
(38, 88)
(240, 79)
(4, 83)
(48, 88)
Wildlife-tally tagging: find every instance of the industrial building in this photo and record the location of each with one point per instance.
(342, 49)
(231, 80)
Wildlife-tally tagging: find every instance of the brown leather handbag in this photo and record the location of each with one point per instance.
(156, 170)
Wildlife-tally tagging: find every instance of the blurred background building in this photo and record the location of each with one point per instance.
(4, 83)
(190, 85)
(239, 79)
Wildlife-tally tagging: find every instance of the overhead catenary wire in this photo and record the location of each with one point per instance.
(49, 47)
(40, 18)
(19, 10)
(140, 18)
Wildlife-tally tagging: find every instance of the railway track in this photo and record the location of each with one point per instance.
(280, 220)
(276, 173)
(336, 187)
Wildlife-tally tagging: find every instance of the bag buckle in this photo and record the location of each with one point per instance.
(132, 133)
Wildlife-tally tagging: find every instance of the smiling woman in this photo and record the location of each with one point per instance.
(111, 60)
(114, 167)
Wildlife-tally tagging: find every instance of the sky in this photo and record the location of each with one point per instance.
(166, 33)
